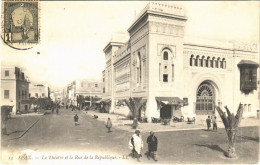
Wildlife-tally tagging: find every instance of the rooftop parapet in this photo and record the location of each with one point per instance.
(168, 9)
(231, 45)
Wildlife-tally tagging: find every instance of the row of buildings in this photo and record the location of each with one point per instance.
(163, 66)
(16, 89)
(85, 88)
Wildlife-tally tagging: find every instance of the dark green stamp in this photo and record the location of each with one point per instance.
(20, 23)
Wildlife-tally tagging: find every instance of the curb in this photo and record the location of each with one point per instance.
(169, 130)
(27, 129)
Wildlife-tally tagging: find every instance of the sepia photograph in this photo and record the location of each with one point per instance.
(130, 82)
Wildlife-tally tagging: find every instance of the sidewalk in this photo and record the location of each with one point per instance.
(18, 125)
(122, 123)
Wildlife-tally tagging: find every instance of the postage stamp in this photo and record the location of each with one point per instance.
(20, 23)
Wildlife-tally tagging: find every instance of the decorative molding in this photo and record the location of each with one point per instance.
(140, 33)
(245, 46)
(166, 28)
(161, 46)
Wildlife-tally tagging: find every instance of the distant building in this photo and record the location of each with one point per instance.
(86, 88)
(14, 89)
(39, 90)
(56, 96)
(172, 71)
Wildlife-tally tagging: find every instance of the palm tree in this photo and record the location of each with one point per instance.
(135, 104)
(231, 123)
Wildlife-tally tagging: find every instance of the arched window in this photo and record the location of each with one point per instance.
(191, 60)
(218, 62)
(212, 64)
(208, 62)
(197, 60)
(138, 68)
(202, 62)
(165, 55)
(224, 63)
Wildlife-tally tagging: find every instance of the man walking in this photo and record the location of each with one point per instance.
(214, 122)
(152, 145)
(208, 121)
(76, 119)
(109, 125)
(136, 144)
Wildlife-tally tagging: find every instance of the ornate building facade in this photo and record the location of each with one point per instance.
(162, 65)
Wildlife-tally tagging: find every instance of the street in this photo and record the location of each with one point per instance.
(57, 134)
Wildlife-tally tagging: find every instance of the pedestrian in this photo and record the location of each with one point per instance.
(208, 121)
(214, 122)
(76, 119)
(136, 144)
(72, 108)
(109, 125)
(152, 145)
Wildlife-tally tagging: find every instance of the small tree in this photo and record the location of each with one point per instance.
(135, 104)
(231, 123)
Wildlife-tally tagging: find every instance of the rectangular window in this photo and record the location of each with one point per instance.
(6, 94)
(245, 108)
(249, 107)
(36, 95)
(7, 73)
(165, 78)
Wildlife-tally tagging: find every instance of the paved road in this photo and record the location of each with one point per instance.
(58, 134)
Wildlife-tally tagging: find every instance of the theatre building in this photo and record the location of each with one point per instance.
(170, 70)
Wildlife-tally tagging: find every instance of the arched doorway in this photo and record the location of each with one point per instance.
(205, 98)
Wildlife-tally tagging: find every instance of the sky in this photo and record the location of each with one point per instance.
(73, 35)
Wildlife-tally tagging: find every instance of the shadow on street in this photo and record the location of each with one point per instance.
(213, 147)
(256, 139)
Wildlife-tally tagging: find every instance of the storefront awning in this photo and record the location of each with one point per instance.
(99, 101)
(247, 63)
(169, 100)
(103, 100)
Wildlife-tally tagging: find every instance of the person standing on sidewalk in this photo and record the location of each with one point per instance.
(208, 121)
(152, 145)
(109, 125)
(214, 122)
(136, 144)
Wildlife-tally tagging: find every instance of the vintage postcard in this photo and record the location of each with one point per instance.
(126, 82)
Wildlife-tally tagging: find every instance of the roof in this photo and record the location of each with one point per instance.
(247, 63)
(170, 100)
